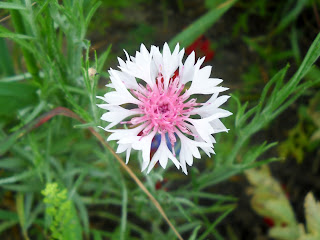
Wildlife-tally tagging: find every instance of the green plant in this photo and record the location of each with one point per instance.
(305, 135)
(61, 214)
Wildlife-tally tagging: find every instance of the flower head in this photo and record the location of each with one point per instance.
(154, 94)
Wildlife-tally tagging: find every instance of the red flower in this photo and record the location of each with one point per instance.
(201, 46)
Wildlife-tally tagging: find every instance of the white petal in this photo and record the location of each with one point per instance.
(170, 63)
(202, 84)
(121, 62)
(203, 128)
(124, 147)
(116, 98)
(189, 149)
(167, 63)
(209, 146)
(128, 155)
(116, 114)
(124, 133)
(157, 58)
(140, 66)
(186, 72)
(220, 100)
(110, 85)
(211, 106)
(203, 125)
(162, 154)
(144, 144)
(181, 54)
(129, 81)
(218, 126)
(127, 55)
(122, 94)
(144, 51)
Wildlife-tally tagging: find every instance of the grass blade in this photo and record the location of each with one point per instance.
(9, 5)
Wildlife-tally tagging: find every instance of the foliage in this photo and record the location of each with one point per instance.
(270, 200)
(63, 220)
(277, 43)
(304, 137)
(44, 65)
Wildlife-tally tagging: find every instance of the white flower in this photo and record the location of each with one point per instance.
(150, 94)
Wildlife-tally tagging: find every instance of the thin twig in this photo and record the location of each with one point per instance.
(68, 113)
(5, 18)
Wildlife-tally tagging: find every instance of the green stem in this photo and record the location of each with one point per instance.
(235, 150)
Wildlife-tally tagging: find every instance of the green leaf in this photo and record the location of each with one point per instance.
(5, 33)
(255, 152)
(97, 235)
(6, 64)
(216, 222)
(9, 5)
(195, 233)
(20, 39)
(291, 16)
(7, 215)
(310, 58)
(91, 13)
(186, 37)
(178, 202)
(240, 111)
(18, 187)
(83, 214)
(278, 80)
(21, 212)
(14, 96)
(12, 163)
(204, 195)
(102, 59)
(18, 177)
(85, 125)
(7, 224)
(7, 142)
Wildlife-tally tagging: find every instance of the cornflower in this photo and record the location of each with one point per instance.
(155, 94)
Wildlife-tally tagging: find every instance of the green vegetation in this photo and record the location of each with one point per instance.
(58, 180)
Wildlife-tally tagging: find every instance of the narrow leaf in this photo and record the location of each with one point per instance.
(198, 27)
(14, 96)
(9, 5)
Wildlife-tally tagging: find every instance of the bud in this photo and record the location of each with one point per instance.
(92, 72)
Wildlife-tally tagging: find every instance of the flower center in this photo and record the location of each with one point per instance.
(164, 110)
